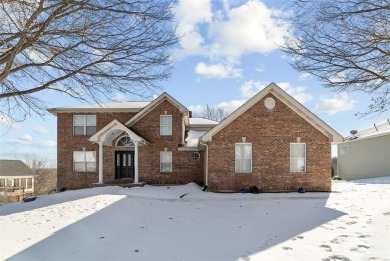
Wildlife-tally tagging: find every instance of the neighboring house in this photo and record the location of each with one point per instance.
(272, 142)
(14, 173)
(365, 154)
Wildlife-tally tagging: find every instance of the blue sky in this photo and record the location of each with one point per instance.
(228, 53)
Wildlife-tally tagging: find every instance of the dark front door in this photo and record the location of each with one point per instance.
(124, 167)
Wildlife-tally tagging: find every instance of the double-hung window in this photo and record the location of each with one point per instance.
(84, 161)
(165, 125)
(166, 161)
(84, 124)
(297, 157)
(243, 158)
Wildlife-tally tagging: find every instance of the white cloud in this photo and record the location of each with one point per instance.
(197, 109)
(47, 144)
(303, 76)
(231, 106)
(120, 97)
(26, 137)
(260, 67)
(250, 88)
(217, 71)
(297, 92)
(7, 123)
(228, 106)
(335, 104)
(249, 28)
(189, 15)
(40, 130)
(224, 35)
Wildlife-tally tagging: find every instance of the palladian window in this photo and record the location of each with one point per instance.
(125, 141)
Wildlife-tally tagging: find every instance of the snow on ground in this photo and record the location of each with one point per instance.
(154, 223)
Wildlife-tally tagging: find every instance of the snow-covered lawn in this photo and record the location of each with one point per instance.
(154, 223)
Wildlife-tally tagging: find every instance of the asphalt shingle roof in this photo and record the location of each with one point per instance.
(14, 168)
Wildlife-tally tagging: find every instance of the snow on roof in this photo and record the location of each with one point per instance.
(380, 128)
(112, 105)
(202, 121)
(193, 138)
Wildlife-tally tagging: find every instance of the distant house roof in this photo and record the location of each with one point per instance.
(14, 168)
(378, 129)
(202, 121)
(131, 106)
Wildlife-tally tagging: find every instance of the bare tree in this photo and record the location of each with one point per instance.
(45, 179)
(345, 44)
(214, 113)
(88, 49)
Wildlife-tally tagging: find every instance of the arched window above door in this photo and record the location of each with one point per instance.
(125, 141)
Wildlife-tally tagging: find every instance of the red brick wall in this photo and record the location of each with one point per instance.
(185, 169)
(270, 132)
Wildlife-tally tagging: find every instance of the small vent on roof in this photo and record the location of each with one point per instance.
(269, 103)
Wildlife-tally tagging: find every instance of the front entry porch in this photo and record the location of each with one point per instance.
(126, 162)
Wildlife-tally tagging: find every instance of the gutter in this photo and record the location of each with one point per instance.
(207, 164)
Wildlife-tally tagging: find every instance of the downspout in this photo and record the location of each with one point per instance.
(207, 164)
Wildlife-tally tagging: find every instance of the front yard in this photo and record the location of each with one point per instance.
(154, 223)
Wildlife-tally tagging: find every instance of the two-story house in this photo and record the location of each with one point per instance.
(272, 142)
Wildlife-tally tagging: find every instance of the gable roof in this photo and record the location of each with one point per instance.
(14, 168)
(164, 96)
(131, 106)
(272, 88)
(113, 130)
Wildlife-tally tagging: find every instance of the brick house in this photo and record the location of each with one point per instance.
(272, 142)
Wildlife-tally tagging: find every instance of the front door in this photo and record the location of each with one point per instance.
(124, 162)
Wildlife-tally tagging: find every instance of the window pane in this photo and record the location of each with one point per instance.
(77, 130)
(23, 183)
(297, 157)
(243, 157)
(78, 156)
(16, 183)
(91, 120)
(165, 125)
(2, 182)
(79, 166)
(91, 166)
(90, 156)
(166, 161)
(90, 130)
(78, 120)
(29, 183)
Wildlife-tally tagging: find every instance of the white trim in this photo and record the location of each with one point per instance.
(121, 137)
(305, 170)
(84, 125)
(166, 125)
(235, 159)
(136, 174)
(100, 162)
(164, 96)
(168, 152)
(286, 99)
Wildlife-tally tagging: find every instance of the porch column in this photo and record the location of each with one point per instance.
(135, 161)
(100, 162)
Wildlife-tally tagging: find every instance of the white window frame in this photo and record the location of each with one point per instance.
(84, 161)
(292, 167)
(236, 165)
(344, 149)
(162, 160)
(84, 124)
(163, 126)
